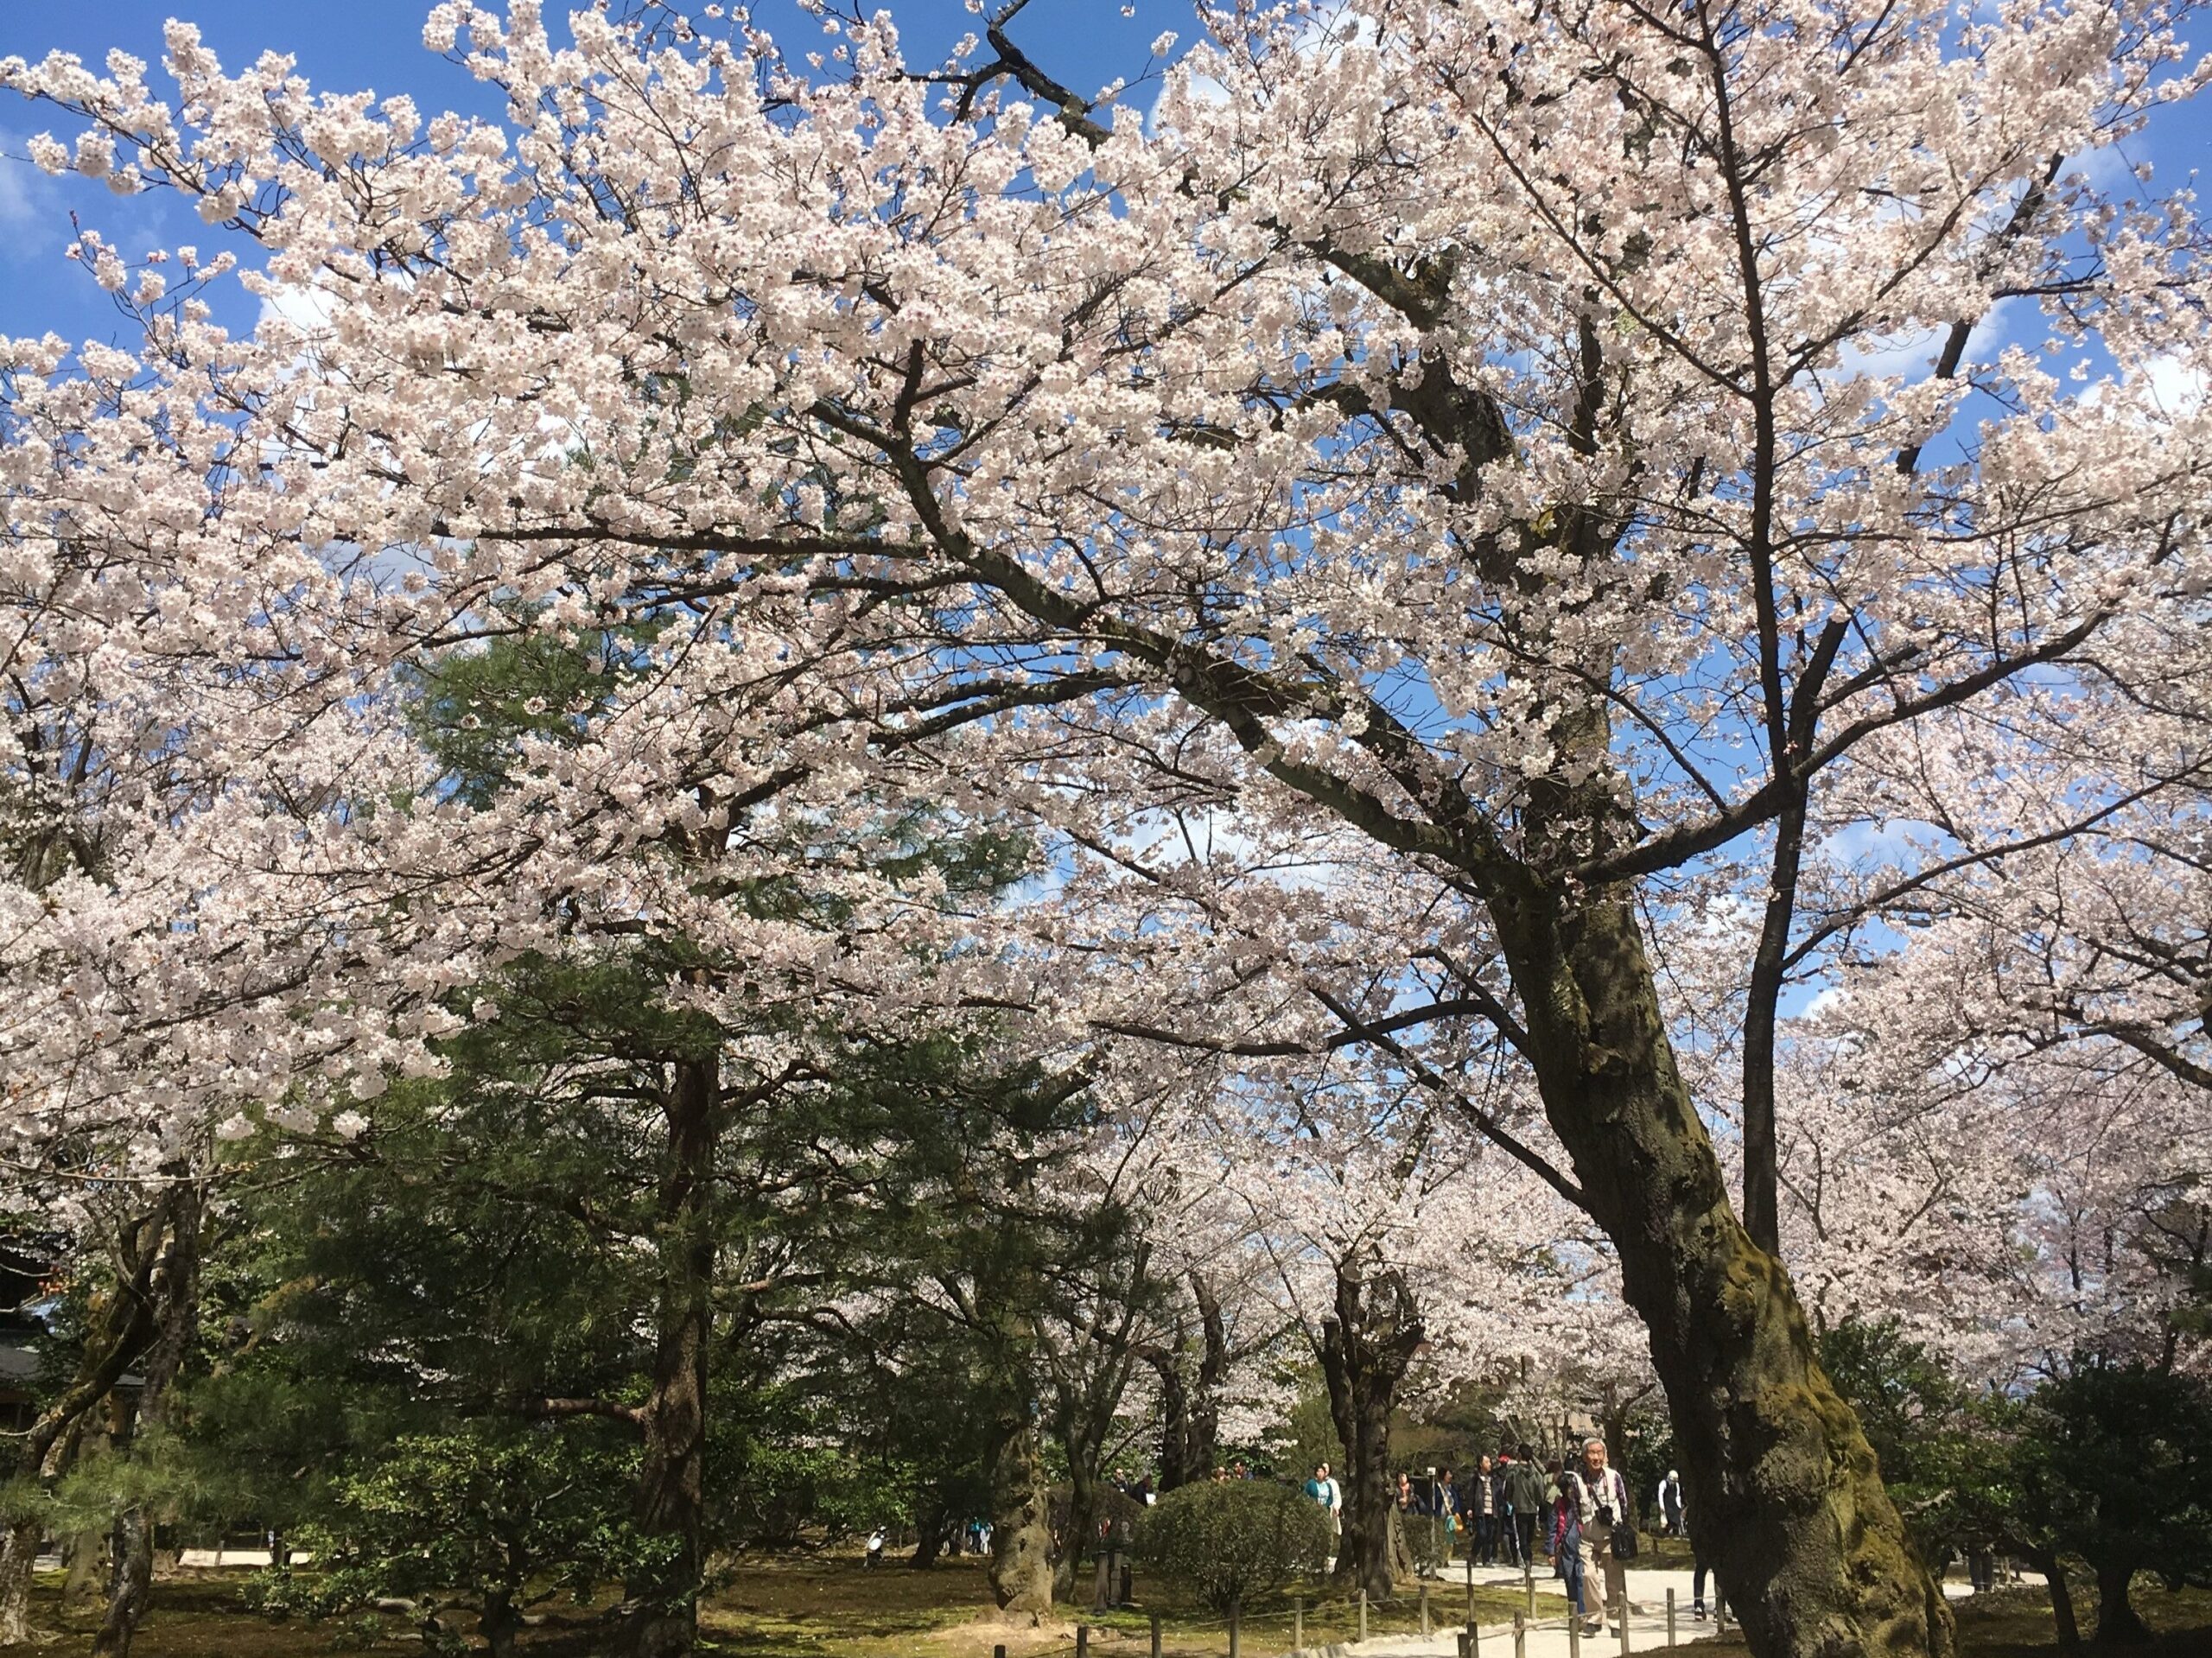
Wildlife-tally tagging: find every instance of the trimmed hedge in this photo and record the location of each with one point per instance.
(1233, 1540)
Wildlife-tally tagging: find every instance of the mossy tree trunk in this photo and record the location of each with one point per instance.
(1367, 1344)
(1789, 1503)
(1020, 1570)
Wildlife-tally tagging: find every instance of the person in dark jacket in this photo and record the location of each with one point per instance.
(1509, 1535)
(1481, 1516)
(1524, 1489)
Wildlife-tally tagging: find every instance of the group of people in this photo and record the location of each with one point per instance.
(1516, 1511)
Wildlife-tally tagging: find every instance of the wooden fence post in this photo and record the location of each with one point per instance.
(1362, 1614)
(1236, 1613)
(1520, 1636)
(1297, 1625)
(1670, 1617)
(1155, 1634)
(1424, 1612)
(1082, 1640)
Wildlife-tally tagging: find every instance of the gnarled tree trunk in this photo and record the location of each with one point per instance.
(1366, 1346)
(1804, 1540)
(1021, 1524)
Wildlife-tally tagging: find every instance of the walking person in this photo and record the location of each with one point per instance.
(1564, 1538)
(1507, 1530)
(1329, 1496)
(1524, 1488)
(1482, 1514)
(1600, 1499)
(1670, 1504)
(1555, 1493)
(1981, 1567)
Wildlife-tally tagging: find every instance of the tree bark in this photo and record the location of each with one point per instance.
(663, 1621)
(117, 1337)
(1021, 1525)
(1804, 1540)
(86, 1552)
(174, 1290)
(499, 1623)
(1190, 1408)
(2046, 1561)
(1761, 1009)
(1082, 1538)
(928, 1533)
(1366, 1346)
(2118, 1624)
(1176, 1438)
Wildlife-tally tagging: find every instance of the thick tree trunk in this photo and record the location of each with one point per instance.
(670, 1501)
(499, 1623)
(1175, 1436)
(930, 1528)
(1201, 1428)
(17, 1555)
(1021, 1525)
(1805, 1541)
(2062, 1595)
(1366, 1346)
(175, 1289)
(1082, 1540)
(131, 1586)
(86, 1553)
(2118, 1624)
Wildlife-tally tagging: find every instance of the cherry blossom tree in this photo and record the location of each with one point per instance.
(1486, 449)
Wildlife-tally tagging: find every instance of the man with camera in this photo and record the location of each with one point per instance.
(1600, 1497)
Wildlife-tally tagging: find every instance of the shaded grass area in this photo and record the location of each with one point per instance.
(824, 1605)
(827, 1606)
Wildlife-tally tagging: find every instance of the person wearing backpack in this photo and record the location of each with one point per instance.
(1599, 1496)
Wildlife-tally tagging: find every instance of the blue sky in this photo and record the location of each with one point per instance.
(349, 44)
